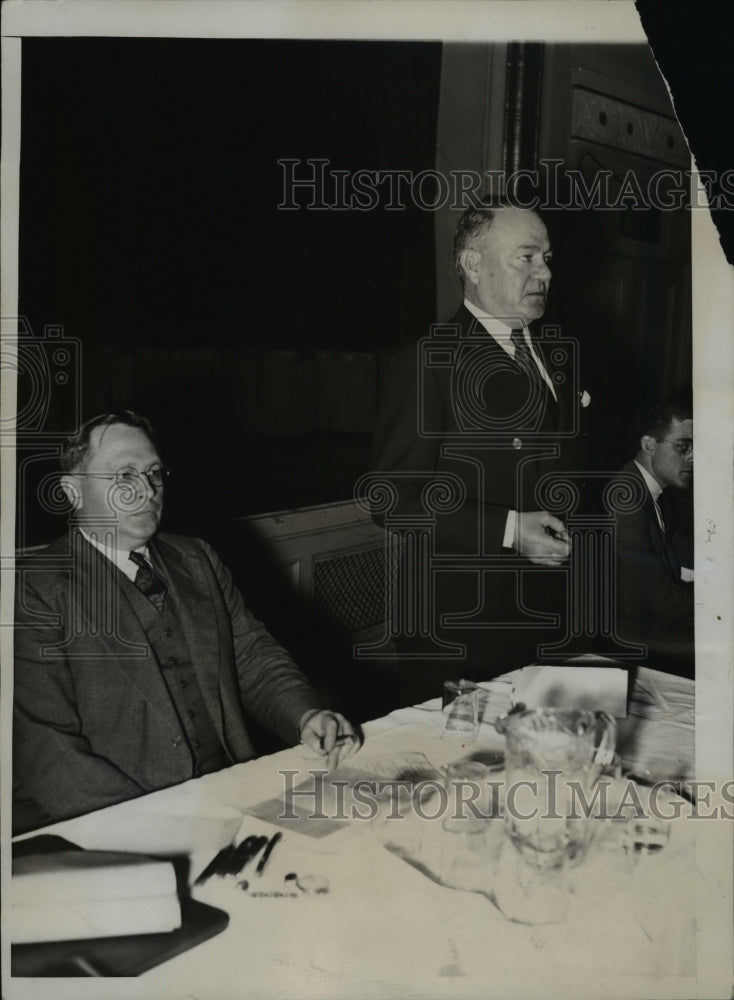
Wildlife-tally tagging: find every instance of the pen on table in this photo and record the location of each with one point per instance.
(242, 856)
(267, 852)
(231, 860)
(224, 855)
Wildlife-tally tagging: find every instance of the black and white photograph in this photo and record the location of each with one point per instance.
(367, 617)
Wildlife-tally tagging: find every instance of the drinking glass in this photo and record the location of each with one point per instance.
(460, 712)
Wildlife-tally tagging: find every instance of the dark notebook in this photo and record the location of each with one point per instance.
(114, 956)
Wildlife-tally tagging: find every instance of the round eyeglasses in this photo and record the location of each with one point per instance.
(684, 447)
(130, 478)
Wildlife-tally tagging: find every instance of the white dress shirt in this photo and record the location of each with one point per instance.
(120, 557)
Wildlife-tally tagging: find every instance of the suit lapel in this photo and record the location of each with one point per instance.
(648, 507)
(657, 534)
(669, 550)
(487, 385)
(190, 589)
(660, 539)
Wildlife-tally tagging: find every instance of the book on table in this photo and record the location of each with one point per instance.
(60, 892)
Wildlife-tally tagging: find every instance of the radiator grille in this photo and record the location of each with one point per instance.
(351, 588)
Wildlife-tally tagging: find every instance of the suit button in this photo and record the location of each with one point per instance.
(516, 444)
(168, 633)
(172, 661)
(177, 741)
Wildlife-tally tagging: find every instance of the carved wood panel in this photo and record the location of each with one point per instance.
(604, 120)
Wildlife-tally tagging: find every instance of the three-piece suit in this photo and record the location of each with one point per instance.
(113, 700)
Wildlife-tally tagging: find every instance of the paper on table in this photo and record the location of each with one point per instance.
(599, 689)
(298, 930)
(323, 803)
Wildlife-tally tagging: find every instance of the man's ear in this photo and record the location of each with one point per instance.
(648, 443)
(469, 260)
(71, 491)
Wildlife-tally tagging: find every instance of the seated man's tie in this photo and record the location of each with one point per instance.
(148, 582)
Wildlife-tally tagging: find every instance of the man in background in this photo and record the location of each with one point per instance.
(654, 587)
(137, 663)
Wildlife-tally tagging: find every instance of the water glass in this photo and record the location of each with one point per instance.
(460, 712)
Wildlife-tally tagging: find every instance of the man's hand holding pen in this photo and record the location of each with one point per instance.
(330, 735)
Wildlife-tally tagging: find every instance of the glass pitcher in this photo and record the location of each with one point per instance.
(553, 760)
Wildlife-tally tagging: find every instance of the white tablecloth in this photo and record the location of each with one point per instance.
(386, 929)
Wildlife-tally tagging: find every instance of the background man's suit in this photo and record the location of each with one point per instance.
(429, 407)
(654, 606)
(94, 720)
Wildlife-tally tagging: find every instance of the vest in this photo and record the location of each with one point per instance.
(166, 638)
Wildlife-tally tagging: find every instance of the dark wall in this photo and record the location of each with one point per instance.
(150, 189)
(150, 230)
(256, 338)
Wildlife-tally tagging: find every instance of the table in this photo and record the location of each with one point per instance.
(384, 928)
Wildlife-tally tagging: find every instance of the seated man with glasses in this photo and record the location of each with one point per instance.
(654, 589)
(137, 662)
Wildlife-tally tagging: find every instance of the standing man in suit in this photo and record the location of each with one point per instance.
(654, 590)
(480, 405)
(137, 662)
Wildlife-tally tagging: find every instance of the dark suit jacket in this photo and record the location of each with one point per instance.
(461, 405)
(94, 722)
(473, 395)
(654, 605)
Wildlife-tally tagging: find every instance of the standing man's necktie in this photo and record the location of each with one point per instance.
(529, 366)
(523, 356)
(148, 582)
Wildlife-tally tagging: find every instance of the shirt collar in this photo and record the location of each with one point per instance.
(501, 334)
(120, 557)
(500, 331)
(650, 481)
